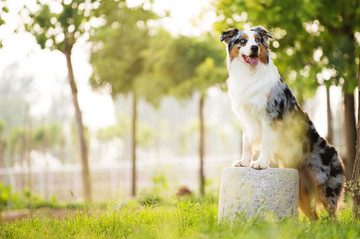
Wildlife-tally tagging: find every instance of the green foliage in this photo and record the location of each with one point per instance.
(188, 64)
(15, 141)
(59, 30)
(127, 54)
(4, 10)
(206, 74)
(158, 194)
(309, 37)
(7, 198)
(118, 47)
(120, 130)
(10, 200)
(189, 130)
(144, 134)
(2, 126)
(148, 199)
(47, 136)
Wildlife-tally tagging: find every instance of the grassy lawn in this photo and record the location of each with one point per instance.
(182, 219)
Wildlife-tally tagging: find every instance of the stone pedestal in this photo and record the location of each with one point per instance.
(249, 192)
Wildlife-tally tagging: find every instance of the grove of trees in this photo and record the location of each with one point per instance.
(151, 66)
(315, 44)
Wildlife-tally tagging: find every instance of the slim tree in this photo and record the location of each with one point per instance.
(329, 136)
(204, 64)
(118, 58)
(355, 185)
(207, 74)
(59, 30)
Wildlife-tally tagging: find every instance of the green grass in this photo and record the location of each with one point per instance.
(182, 219)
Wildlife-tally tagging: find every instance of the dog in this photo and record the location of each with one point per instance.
(273, 121)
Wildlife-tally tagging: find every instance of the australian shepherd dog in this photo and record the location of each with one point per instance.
(273, 121)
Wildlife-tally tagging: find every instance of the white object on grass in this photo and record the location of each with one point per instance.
(247, 192)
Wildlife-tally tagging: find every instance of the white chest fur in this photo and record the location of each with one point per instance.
(250, 86)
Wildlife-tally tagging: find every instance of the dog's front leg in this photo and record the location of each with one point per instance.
(246, 152)
(267, 147)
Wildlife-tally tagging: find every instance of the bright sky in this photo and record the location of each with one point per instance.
(187, 17)
(49, 68)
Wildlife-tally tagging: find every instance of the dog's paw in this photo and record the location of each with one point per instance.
(240, 163)
(259, 164)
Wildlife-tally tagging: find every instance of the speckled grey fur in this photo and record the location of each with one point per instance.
(321, 162)
(281, 101)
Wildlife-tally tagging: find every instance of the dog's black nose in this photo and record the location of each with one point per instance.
(254, 48)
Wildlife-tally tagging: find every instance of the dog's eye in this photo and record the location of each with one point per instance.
(257, 39)
(242, 41)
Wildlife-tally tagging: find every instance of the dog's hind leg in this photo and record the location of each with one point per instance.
(330, 204)
(307, 204)
(306, 196)
(329, 192)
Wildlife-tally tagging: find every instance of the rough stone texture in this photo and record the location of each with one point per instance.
(248, 192)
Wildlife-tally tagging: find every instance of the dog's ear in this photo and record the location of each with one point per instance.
(227, 35)
(262, 32)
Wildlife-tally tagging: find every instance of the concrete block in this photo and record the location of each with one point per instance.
(250, 192)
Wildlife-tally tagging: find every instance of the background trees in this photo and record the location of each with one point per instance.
(150, 64)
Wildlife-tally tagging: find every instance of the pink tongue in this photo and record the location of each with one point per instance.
(253, 61)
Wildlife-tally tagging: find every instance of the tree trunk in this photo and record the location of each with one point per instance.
(133, 144)
(355, 176)
(202, 144)
(329, 117)
(356, 168)
(80, 127)
(350, 133)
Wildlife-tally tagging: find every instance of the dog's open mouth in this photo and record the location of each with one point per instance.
(252, 59)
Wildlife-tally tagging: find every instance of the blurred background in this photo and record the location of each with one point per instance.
(99, 98)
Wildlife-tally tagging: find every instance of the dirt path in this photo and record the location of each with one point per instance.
(10, 216)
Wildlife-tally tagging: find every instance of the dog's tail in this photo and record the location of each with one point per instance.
(323, 175)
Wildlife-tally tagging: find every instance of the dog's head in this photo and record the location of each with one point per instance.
(251, 46)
